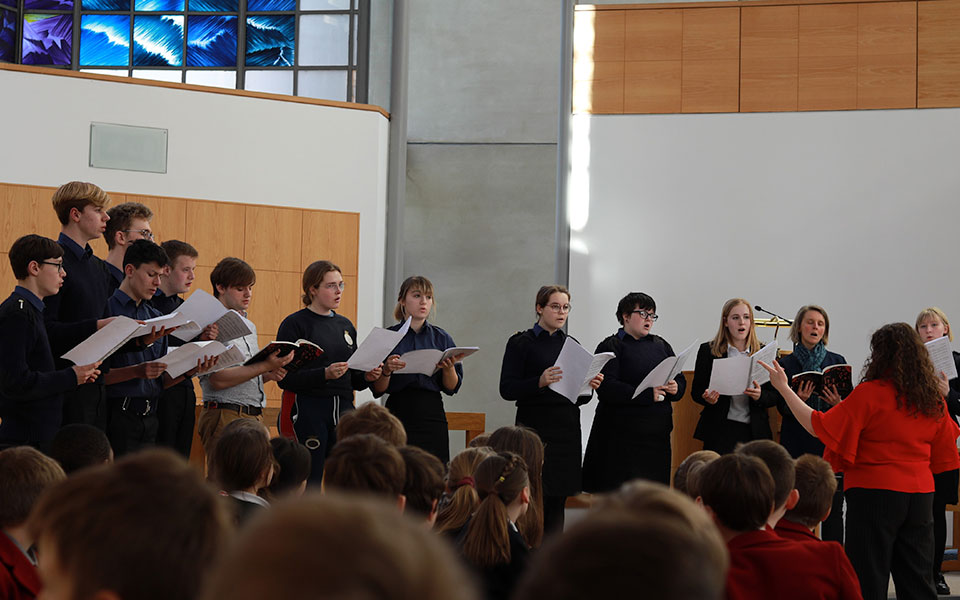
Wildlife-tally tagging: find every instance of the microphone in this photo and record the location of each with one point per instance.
(773, 314)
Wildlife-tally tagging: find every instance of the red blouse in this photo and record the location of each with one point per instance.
(879, 446)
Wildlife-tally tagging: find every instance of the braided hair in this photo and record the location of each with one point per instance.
(500, 479)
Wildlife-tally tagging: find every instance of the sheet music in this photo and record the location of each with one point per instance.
(729, 375)
(767, 354)
(579, 366)
(668, 368)
(104, 342)
(203, 309)
(942, 357)
(232, 357)
(183, 358)
(231, 326)
(425, 362)
(376, 347)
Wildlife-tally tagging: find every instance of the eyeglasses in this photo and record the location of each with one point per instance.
(560, 308)
(334, 286)
(58, 265)
(146, 233)
(645, 315)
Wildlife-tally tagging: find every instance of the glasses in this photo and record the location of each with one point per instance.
(334, 286)
(560, 308)
(645, 315)
(145, 233)
(58, 265)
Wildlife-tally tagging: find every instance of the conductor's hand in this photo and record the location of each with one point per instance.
(87, 373)
(550, 375)
(210, 332)
(151, 370)
(596, 381)
(778, 377)
(711, 396)
(806, 390)
(753, 392)
(335, 371)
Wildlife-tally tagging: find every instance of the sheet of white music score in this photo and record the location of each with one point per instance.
(376, 347)
(104, 342)
(424, 362)
(942, 357)
(731, 376)
(665, 371)
(203, 309)
(579, 367)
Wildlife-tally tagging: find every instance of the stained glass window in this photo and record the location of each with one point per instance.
(313, 48)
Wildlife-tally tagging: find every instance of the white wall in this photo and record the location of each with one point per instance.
(221, 147)
(856, 211)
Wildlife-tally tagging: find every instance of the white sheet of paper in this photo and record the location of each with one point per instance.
(232, 357)
(668, 368)
(231, 326)
(767, 354)
(376, 347)
(942, 356)
(579, 366)
(183, 358)
(424, 362)
(203, 309)
(104, 342)
(174, 319)
(729, 375)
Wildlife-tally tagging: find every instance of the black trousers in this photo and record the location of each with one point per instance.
(553, 514)
(727, 436)
(945, 493)
(831, 530)
(87, 404)
(891, 533)
(129, 431)
(315, 424)
(176, 416)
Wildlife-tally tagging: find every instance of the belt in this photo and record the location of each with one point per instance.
(138, 406)
(253, 411)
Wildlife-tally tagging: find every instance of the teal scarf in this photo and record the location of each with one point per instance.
(810, 360)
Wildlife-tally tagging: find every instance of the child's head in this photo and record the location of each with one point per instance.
(424, 482)
(739, 491)
(504, 492)
(364, 463)
(143, 264)
(817, 484)
(293, 461)
(129, 221)
(685, 479)
(242, 458)
(38, 252)
(460, 499)
(146, 527)
(71, 202)
(25, 473)
(370, 417)
(525, 442)
(78, 445)
(781, 466)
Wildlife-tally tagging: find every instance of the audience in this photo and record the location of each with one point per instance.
(460, 498)
(339, 547)
(685, 478)
(25, 473)
(364, 463)
(241, 464)
(144, 528)
(375, 419)
(816, 483)
(78, 445)
(292, 468)
(424, 483)
(780, 464)
(525, 442)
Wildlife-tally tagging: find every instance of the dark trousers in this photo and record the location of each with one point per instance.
(88, 405)
(553, 513)
(315, 424)
(128, 430)
(727, 436)
(176, 416)
(831, 529)
(945, 485)
(891, 533)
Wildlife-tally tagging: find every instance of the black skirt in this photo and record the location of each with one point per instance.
(423, 418)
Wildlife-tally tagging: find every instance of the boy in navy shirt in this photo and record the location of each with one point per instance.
(31, 389)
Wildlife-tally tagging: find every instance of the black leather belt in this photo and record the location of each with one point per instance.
(138, 406)
(253, 411)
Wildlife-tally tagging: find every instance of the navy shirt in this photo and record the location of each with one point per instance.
(429, 337)
(166, 305)
(71, 315)
(337, 338)
(30, 387)
(114, 276)
(121, 304)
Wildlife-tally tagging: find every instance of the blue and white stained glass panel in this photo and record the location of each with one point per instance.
(325, 85)
(158, 5)
(105, 4)
(213, 5)
(42, 4)
(270, 41)
(158, 41)
(104, 40)
(47, 39)
(220, 79)
(324, 4)
(271, 5)
(274, 82)
(211, 41)
(324, 40)
(8, 35)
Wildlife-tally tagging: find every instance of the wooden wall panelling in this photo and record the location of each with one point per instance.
(216, 230)
(711, 60)
(331, 236)
(598, 62)
(7, 280)
(938, 54)
(169, 220)
(275, 295)
(827, 57)
(272, 238)
(22, 208)
(887, 55)
(768, 58)
(653, 51)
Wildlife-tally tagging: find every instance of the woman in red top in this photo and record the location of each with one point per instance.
(888, 437)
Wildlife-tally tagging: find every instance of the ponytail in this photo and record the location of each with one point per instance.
(457, 509)
(499, 479)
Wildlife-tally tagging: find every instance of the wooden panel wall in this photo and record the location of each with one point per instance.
(766, 55)
(277, 242)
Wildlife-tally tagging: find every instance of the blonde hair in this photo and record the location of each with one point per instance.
(797, 322)
(416, 283)
(718, 347)
(934, 313)
(77, 194)
(461, 499)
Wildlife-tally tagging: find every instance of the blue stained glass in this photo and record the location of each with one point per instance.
(8, 35)
(270, 41)
(104, 40)
(158, 41)
(158, 5)
(105, 4)
(214, 5)
(47, 39)
(211, 41)
(44, 4)
(254, 5)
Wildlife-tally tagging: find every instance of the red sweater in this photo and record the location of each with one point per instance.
(763, 566)
(797, 532)
(18, 577)
(879, 446)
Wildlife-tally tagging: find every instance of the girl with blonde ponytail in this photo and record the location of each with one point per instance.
(460, 499)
